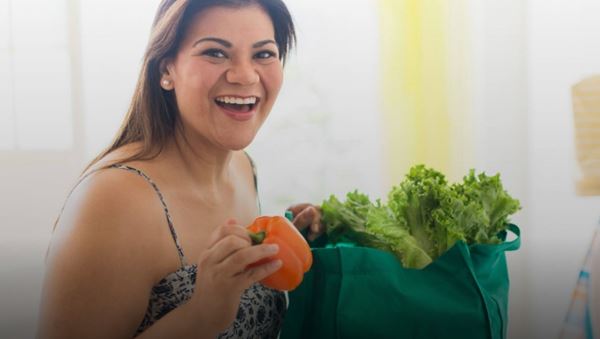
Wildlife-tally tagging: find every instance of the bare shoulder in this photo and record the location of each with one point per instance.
(101, 262)
(246, 165)
(111, 201)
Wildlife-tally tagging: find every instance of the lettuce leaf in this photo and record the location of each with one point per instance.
(424, 215)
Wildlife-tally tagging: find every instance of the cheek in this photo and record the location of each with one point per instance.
(202, 81)
(196, 87)
(273, 78)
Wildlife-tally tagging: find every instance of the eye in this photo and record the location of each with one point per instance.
(266, 54)
(215, 53)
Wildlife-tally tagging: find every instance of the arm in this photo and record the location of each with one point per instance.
(97, 279)
(100, 269)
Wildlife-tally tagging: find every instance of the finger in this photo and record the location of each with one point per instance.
(230, 228)
(239, 261)
(312, 236)
(225, 248)
(316, 229)
(312, 219)
(307, 217)
(258, 273)
(317, 225)
(297, 208)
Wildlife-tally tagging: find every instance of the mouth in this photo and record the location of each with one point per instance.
(237, 104)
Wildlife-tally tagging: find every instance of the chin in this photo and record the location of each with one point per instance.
(237, 143)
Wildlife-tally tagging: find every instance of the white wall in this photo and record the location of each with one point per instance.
(114, 34)
(40, 160)
(563, 47)
(32, 188)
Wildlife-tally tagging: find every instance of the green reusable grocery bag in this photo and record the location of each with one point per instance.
(358, 292)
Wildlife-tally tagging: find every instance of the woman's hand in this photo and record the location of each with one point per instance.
(308, 215)
(223, 274)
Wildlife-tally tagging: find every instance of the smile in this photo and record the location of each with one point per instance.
(237, 104)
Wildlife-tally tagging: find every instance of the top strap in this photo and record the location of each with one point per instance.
(164, 205)
(258, 205)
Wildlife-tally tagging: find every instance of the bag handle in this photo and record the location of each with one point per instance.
(512, 245)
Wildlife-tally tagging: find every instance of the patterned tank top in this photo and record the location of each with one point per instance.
(261, 310)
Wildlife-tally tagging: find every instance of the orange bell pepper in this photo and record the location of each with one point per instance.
(294, 251)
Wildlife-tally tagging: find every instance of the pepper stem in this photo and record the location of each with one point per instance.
(258, 237)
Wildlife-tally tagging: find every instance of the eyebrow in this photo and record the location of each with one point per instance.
(217, 40)
(264, 42)
(228, 44)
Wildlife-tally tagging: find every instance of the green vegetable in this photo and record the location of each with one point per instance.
(424, 215)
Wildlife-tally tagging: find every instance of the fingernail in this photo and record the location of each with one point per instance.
(275, 264)
(272, 248)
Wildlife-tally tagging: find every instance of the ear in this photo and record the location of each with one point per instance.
(166, 74)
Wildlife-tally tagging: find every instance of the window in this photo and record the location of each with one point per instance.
(35, 76)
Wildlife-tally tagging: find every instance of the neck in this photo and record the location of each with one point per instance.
(200, 162)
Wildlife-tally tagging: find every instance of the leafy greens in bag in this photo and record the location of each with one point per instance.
(424, 215)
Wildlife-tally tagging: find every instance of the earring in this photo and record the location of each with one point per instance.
(166, 83)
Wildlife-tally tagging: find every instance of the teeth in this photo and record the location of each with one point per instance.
(238, 101)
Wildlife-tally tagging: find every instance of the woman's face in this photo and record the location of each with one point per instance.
(226, 75)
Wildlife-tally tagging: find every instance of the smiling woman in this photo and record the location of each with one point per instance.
(151, 240)
(217, 69)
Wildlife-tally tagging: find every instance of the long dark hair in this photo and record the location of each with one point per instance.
(152, 115)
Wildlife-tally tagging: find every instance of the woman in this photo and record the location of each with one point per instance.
(151, 242)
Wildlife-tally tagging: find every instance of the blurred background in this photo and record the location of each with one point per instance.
(373, 88)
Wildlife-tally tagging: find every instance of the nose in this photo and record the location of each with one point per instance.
(242, 73)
